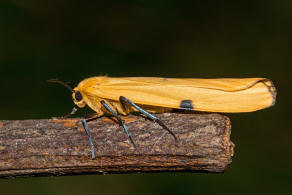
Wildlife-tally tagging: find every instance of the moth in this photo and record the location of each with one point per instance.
(150, 95)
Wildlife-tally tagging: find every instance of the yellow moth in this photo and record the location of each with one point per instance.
(156, 95)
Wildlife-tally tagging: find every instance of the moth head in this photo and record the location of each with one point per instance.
(78, 98)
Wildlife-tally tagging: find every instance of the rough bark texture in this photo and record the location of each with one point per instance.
(61, 147)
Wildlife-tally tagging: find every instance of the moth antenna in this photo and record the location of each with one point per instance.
(60, 82)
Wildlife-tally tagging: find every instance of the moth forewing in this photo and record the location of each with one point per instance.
(212, 95)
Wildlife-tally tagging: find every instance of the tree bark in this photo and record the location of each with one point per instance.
(60, 146)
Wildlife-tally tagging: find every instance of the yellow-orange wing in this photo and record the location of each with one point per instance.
(212, 95)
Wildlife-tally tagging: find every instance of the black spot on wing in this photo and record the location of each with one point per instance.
(186, 105)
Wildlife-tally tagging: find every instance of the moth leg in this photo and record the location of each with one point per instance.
(124, 100)
(92, 116)
(74, 110)
(121, 122)
(84, 123)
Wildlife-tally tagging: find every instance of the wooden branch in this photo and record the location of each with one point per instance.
(61, 147)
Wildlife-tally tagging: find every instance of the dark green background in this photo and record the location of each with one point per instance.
(72, 40)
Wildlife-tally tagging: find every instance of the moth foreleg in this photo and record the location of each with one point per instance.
(84, 123)
(74, 110)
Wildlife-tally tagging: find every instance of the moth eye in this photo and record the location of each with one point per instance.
(78, 96)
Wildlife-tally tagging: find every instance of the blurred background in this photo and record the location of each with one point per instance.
(72, 40)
